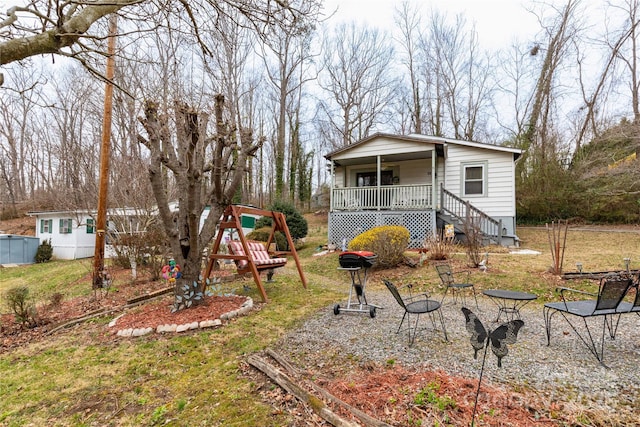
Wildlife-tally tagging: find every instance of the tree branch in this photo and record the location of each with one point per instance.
(51, 41)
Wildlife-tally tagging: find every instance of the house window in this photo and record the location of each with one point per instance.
(46, 226)
(91, 226)
(65, 225)
(474, 177)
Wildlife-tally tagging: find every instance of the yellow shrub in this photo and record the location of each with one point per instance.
(388, 242)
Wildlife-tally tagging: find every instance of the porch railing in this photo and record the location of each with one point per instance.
(400, 197)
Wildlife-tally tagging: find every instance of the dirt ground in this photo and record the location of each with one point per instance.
(23, 226)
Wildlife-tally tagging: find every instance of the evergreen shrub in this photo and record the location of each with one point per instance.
(44, 252)
(296, 222)
(262, 235)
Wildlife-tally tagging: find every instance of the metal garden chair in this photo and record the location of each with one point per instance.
(451, 281)
(607, 304)
(635, 307)
(416, 305)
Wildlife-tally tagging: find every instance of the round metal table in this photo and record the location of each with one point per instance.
(509, 302)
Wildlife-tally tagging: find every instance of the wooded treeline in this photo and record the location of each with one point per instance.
(570, 98)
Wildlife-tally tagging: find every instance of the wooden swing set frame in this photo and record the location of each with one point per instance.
(231, 219)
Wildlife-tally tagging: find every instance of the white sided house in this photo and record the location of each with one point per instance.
(422, 183)
(72, 233)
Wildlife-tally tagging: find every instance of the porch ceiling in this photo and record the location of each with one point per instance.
(387, 158)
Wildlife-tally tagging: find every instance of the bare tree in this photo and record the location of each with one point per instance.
(227, 66)
(69, 29)
(300, 161)
(559, 34)
(290, 49)
(618, 64)
(463, 81)
(357, 80)
(75, 128)
(629, 36)
(433, 93)
(18, 106)
(191, 156)
(409, 22)
(544, 187)
(516, 87)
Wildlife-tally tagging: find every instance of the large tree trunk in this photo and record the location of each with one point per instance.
(200, 182)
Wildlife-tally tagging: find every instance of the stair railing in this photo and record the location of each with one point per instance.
(464, 211)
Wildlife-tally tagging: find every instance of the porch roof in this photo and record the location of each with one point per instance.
(439, 143)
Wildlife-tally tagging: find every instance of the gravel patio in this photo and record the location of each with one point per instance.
(563, 372)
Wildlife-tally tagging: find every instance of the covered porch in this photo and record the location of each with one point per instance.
(385, 197)
(423, 183)
(385, 181)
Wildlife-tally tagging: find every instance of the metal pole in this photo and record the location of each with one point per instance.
(105, 155)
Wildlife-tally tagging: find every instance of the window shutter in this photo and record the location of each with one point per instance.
(41, 226)
(50, 228)
(61, 226)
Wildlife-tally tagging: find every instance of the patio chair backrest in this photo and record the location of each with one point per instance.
(612, 291)
(394, 291)
(636, 302)
(636, 285)
(445, 273)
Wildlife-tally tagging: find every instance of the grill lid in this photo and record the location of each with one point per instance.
(354, 259)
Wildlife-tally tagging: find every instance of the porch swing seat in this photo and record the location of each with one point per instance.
(259, 255)
(252, 256)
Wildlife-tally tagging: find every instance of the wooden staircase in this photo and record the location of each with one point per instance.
(458, 212)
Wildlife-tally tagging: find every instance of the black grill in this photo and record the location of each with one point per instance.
(355, 259)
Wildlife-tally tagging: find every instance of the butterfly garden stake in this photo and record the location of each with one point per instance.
(481, 338)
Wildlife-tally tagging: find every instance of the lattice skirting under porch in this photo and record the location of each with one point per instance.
(348, 225)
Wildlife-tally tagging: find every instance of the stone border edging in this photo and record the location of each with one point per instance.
(246, 307)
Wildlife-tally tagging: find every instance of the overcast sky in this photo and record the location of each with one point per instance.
(497, 22)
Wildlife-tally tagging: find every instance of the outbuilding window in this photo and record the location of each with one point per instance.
(65, 225)
(91, 226)
(46, 226)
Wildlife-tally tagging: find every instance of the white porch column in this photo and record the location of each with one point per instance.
(378, 178)
(434, 184)
(331, 186)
